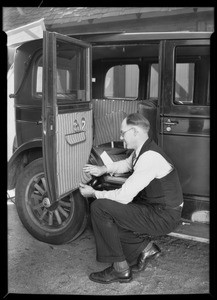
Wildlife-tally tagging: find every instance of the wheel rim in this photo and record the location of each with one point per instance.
(54, 218)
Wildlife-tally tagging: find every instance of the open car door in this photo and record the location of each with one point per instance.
(66, 113)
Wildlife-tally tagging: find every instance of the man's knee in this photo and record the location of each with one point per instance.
(94, 205)
(102, 207)
(98, 204)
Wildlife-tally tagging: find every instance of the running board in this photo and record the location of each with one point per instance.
(192, 231)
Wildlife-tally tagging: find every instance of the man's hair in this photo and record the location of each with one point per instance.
(137, 119)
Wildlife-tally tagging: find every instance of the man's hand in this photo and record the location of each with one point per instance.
(95, 170)
(86, 190)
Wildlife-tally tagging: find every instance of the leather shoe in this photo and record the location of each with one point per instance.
(145, 257)
(110, 275)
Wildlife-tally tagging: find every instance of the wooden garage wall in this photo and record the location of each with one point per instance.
(203, 21)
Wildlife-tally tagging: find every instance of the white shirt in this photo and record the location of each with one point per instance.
(150, 165)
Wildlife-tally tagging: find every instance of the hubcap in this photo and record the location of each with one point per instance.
(49, 217)
(46, 202)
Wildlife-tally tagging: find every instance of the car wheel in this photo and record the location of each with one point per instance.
(58, 223)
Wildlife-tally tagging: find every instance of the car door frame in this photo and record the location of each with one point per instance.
(167, 107)
(49, 105)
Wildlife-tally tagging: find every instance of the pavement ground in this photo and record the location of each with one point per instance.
(35, 267)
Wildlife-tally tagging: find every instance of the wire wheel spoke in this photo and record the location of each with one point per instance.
(37, 206)
(63, 212)
(43, 214)
(63, 203)
(59, 220)
(50, 222)
(36, 197)
(44, 183)
(38, 188)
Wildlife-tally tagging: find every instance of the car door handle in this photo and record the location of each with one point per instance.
(169, 122)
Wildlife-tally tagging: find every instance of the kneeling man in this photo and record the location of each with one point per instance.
(149, 204)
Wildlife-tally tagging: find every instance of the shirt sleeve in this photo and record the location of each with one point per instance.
(122, 166)
(146, 169)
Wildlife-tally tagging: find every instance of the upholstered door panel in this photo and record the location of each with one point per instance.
(73, 146)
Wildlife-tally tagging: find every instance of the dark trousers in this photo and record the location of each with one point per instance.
(122, 231)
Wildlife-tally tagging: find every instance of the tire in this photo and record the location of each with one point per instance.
(60, 223)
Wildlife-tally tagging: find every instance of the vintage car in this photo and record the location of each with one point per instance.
(71, 95)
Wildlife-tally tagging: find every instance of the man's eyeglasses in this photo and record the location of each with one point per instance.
(122, 133)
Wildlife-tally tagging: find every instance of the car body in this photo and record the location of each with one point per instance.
(71, 96)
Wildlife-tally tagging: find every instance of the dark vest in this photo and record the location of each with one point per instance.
(167, 190)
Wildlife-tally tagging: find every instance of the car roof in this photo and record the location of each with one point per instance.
(118, 37)
(141, 36)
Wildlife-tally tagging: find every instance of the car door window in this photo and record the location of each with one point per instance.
(191, 82)
(70, 79)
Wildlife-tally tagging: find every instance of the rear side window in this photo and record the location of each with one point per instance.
(153, 81)
(39, 72)
(192, 73)
(122, 81)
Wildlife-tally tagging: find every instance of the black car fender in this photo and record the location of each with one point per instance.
(22, 156)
